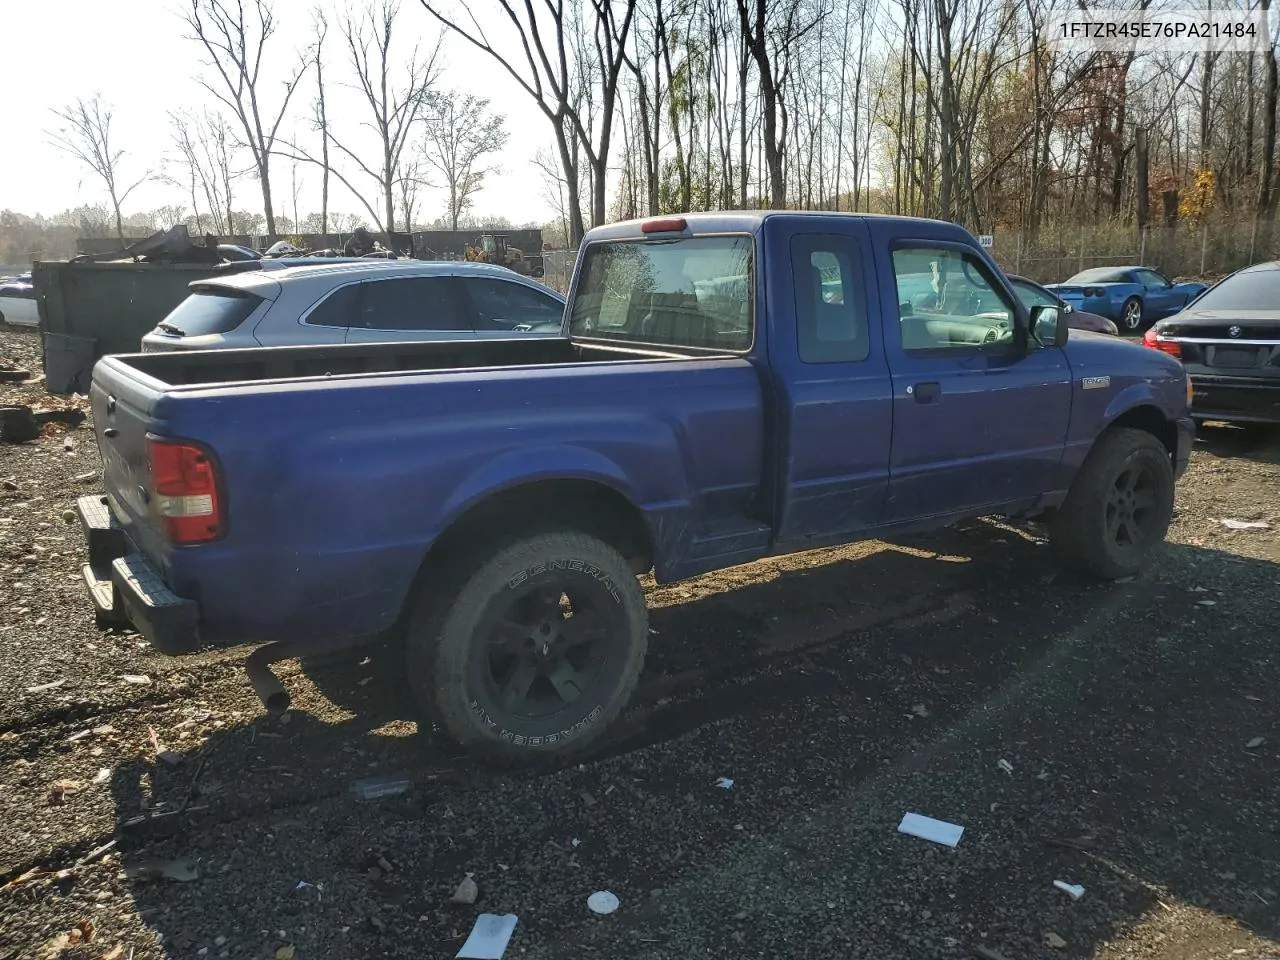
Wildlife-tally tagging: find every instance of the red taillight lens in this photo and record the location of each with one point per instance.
(1152, 339)
(185, 488)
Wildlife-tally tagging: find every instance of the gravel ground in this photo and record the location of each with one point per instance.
(838, 689)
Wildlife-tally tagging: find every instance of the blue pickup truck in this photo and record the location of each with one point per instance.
(731, 386)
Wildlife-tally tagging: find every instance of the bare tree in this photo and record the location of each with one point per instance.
(770, 33)
(235, 38)
(86, 135)
(552, 77)
(205, 146)
(322, 117)
(459, 138)
(395, 110)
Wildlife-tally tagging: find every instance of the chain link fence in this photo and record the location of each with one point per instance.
(1208, 249)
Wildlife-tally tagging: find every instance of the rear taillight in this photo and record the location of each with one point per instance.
(1092, 292)
(184, 486)
(1156, 342)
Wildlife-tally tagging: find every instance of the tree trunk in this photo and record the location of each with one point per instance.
(1265, 209)
(743, 163)
(324, 150)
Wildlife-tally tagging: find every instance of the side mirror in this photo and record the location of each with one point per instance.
(1049, 325)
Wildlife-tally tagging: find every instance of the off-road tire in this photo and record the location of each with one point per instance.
(1078, 531)
(448, 629)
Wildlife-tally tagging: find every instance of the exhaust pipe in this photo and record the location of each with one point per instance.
(265, 683)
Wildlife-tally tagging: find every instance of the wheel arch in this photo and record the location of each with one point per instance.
(587, 504)
(1146, 416)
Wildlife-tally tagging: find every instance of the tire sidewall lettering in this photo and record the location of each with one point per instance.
(577, 566)
(504, 735)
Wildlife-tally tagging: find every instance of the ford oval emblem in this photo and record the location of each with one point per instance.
(1233, 330)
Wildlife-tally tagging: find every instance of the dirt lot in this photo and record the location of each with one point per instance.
(837, 689)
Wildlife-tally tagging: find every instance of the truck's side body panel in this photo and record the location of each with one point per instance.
(329, 522)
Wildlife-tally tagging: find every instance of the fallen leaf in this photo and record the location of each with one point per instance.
(61, 790)
(286, 952)
(1255, 743)
(115, 953)
(1054, 941)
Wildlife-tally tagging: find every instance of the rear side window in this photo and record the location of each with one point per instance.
(212, 311)
(412, 303)
(338, 309)
(831, 315)
(1249, 290)
(501, 304)
(687, 292)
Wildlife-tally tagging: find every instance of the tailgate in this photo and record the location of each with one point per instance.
(124, 411)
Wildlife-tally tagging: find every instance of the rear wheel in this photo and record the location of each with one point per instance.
(1131, 315)
(1118, 508)
(530, 653)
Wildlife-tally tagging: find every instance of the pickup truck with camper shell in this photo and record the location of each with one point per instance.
(730, 386)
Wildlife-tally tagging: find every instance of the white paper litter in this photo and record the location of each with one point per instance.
(489, 937)
(602, 901)
(1245, 524)
(104, 774)
(927, 828)
(724, 783)
(1073, 889)
(1005, 765)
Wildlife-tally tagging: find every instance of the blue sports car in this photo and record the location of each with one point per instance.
(1133, 297)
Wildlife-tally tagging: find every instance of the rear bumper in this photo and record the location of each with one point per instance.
(127, 588)
(1186, 438)
(1236, 399)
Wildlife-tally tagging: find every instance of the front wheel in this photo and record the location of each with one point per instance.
(1131, 315)
(530, 653)
(1118, 508)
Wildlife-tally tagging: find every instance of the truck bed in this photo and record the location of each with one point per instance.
(192, 368)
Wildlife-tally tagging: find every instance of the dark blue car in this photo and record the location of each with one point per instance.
(1132, 297)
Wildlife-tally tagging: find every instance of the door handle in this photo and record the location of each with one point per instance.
(926, 392)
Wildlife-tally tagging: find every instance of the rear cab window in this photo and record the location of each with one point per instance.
(211, 310)
(681, 292)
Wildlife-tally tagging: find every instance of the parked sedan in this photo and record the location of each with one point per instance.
(365, 301)
(1229, 341)
(18, 301)
(1034, 295)
(1132, 297)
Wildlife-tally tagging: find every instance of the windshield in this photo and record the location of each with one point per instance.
(692, 291)
(1100, 275)
(1248, 290)
(210, 311)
